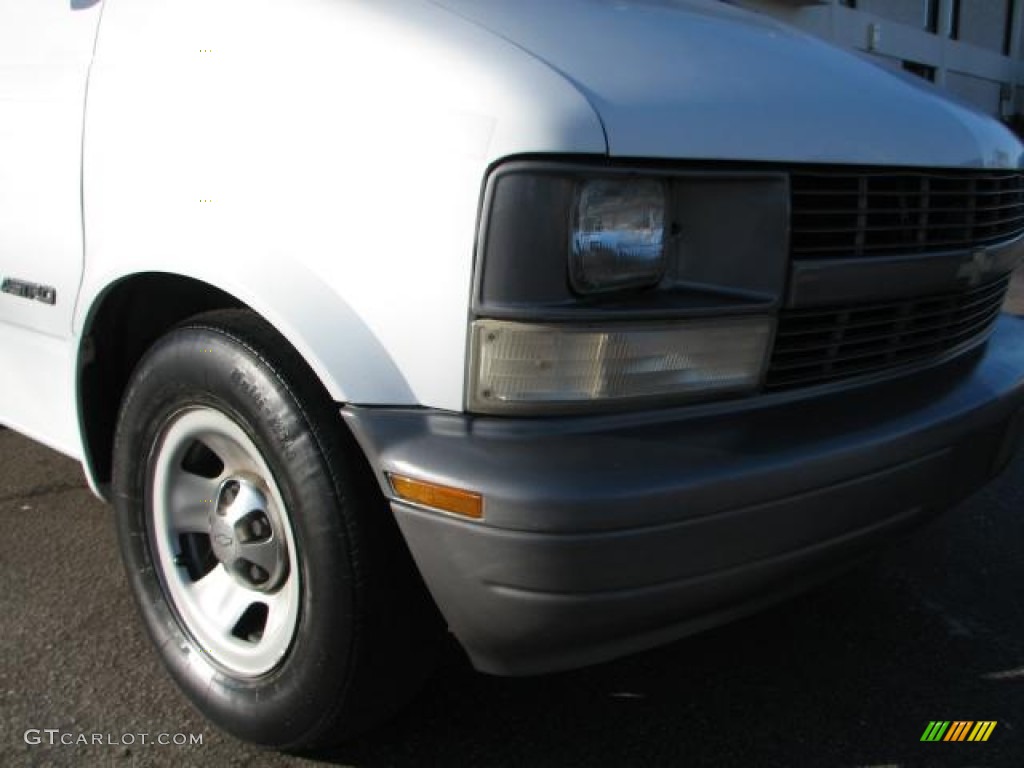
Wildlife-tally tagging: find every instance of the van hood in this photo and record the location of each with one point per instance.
(699, 79)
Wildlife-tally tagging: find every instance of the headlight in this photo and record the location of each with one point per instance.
(618, 235)
(608, 286)
(521, 366)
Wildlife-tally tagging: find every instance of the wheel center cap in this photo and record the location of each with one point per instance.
(223, 540)
(243, 537)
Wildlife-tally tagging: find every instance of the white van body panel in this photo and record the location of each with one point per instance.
(45, 50)
(320, 161)
(700, 79)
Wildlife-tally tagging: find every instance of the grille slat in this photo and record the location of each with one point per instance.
(939, 192)
(895, 246)
(867, 214)
(815, 346)
(894, 343)
(1016, 219)
(923, 209)
(886, 332)
(865, 314)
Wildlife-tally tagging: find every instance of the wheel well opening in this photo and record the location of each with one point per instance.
(132, 315)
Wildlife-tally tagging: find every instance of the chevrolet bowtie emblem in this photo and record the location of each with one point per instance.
(976, 268)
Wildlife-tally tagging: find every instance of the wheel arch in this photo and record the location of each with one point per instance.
(131, 312)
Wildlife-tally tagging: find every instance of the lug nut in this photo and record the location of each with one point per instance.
(257, 529)
(257, 574)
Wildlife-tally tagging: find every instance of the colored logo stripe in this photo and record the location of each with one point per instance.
(982, 730)
(958, 730)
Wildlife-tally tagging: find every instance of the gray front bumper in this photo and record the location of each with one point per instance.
(606, 535)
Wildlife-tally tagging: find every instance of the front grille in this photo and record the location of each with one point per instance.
(814, 346)
(870, 213)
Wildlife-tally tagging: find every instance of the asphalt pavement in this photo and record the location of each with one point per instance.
(849, 674)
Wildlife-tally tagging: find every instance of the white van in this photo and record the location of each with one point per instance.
(567, 326)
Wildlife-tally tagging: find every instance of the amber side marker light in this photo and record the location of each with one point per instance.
(453, 500)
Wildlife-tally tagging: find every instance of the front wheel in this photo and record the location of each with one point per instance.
(259, 549)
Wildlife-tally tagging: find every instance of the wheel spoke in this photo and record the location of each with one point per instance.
(232, 456)
(221, 600)
(279, 605)
(192, 498)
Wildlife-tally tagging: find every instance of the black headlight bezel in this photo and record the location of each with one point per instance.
(726, 241)
(726, 244)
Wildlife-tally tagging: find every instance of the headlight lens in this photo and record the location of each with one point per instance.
(527, 367)
(618, 235)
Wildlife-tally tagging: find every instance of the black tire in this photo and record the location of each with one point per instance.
(367, 632)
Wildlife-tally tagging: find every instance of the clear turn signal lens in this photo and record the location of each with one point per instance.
(520, 367)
